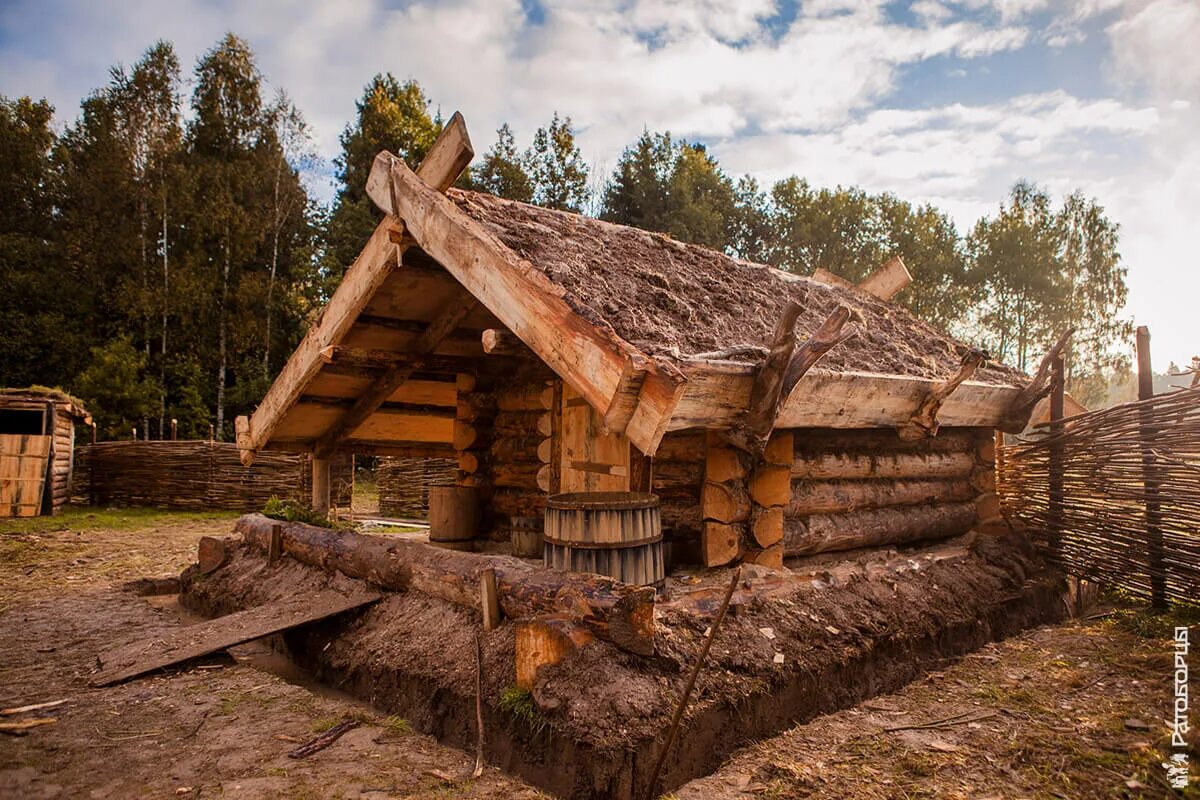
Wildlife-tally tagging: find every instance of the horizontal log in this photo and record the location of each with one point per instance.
(836, 496)
(770, 485)
(682, 473)
(884, 465)
(518, 474)
(523, 423)
(821, 533)
(681, 520)
(611, 610)
(875, 440)
(681, 446)
(519, 502)
(531, 397)
(520, 448)
(720, 543)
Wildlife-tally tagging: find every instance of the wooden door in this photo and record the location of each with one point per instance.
(23, 462)
(592, 460)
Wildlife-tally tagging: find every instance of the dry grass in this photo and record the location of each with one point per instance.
(87, 547)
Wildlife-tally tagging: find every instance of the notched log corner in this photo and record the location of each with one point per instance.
(924, 422)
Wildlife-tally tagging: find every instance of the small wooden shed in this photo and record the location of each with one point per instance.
(37, 449)
(772, 414)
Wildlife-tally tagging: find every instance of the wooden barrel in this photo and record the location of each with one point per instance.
(526, 535)
(618, 534)
(453, 513)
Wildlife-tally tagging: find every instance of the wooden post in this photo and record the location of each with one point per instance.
(1056, 461)
(489, 600)
(275, 545)
(1154, 538)
(174, 430)
(93, 432)
(320, 486)
(211, 433)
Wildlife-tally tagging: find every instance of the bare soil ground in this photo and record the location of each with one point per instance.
(1070, 711)
(1064, 711)
(218, 729)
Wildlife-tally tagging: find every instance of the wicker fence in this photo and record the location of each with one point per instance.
(198, 475)
(404, 484)
(1114, 495)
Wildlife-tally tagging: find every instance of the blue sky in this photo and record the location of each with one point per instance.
(935, 100)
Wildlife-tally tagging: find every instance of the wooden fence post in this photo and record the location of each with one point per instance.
(174, 430)
(1154, 537)
(320, 485)
(1055, 507)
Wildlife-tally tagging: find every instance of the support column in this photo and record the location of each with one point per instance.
(1150, 478)
(320, 486)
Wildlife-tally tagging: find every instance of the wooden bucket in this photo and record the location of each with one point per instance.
(526, 535)
(618, 534)
(453, 513)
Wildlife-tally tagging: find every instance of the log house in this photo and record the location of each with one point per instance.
(543, 352)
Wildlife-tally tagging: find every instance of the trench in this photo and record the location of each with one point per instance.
(570, 767)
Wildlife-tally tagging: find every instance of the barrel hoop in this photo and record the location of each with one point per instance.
(602, 545)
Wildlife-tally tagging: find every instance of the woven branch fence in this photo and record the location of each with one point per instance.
(1114, 495)
(199, 475)
(404, 484)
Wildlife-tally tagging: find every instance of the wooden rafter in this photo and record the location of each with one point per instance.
(591, 357)
(446, 160)
(1016, 416)
(383, 387)
(924, 421)
(784, 367)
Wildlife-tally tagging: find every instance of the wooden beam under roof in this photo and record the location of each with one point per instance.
(590, 357)
(718, 391)
(383, 387)
(444, 162)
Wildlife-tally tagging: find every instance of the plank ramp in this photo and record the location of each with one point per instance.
(194, 641)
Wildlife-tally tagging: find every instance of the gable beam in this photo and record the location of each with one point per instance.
(384, 386)
(589, 356)
(442, 165)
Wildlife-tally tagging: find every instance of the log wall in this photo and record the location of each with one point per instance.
(404, 483)
(504, 444)
(199, 475)
(863, 488)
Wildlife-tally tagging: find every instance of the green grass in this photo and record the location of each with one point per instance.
(1135, 617)
(397, 726)
(86, 518)
(519, 704)
(291, 511)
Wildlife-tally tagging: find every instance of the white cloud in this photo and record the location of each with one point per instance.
(808, 99)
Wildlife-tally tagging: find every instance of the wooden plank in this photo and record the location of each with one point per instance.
(24, 459)
(592, 460)
(529, 305)
(717, 392)
(887, 280)
(201, 639)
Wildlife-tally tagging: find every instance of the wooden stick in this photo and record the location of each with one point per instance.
(19, 728)
(1016, 417)
(691, 683)
(324, 740)
(478, 707)
(924, 422)
(8, 712)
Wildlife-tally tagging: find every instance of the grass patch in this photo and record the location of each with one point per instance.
(397, 726)
(86, 518)
(288, 510)
(519, 704)
(1148, 623)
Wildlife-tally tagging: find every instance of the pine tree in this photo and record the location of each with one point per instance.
(557, 168)
(391, 116)
(502, 172)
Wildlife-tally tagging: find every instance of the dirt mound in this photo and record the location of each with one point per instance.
(793, 647)
(660, 294)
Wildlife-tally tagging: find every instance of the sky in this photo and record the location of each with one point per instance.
(937, 101)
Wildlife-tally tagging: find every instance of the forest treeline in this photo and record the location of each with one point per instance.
(161, 260)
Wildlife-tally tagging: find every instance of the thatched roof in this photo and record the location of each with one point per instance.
(72, 405)
(666, 297)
